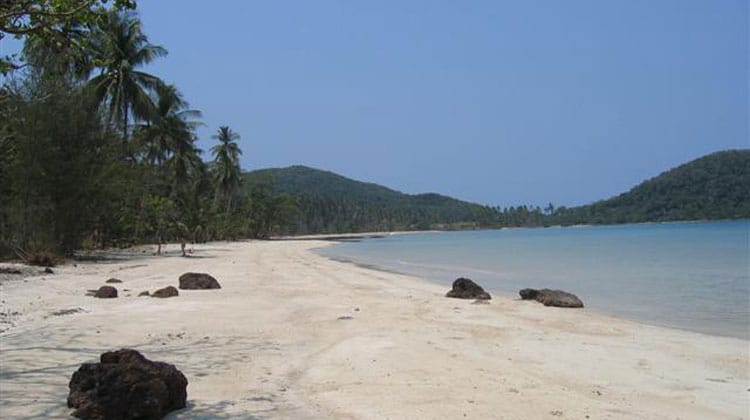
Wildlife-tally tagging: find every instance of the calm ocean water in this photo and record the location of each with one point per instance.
(693, 276)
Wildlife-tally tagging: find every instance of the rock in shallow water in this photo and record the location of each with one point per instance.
(192, 281)
(126, 385)
(466, 289)
(550, 297)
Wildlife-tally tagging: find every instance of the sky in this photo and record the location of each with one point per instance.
(496, 102)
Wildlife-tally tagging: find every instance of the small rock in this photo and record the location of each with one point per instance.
(198, 281)
(106, 292)
(549, 297)
(464, 288)
(166, 292)
(113, 280)
(345, 317)
(143, 293)
(48, 270)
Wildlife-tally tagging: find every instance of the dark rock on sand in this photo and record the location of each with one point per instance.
(9, 270)
(466, 289)
(549, 297)
(143, 293)
(106, 292)
(126, 385)
(48, 270)
(113, 281)
(166, 292)
(194, 281)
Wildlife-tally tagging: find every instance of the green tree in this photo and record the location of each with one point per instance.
(55, 25)
(226, 167)
(119, 48)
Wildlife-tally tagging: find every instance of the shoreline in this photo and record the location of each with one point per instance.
(292, 334)
(514, 296)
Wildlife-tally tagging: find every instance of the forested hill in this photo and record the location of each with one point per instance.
(328, 202)
(715, 186)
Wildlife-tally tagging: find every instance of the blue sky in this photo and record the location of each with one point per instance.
(490, 101)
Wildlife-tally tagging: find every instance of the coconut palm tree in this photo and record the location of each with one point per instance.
(169, 129)
(169, 136)
(119, 48)
(226, 166)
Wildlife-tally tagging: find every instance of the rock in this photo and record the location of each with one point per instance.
(166, 292)
(528, 294)
(143, 293)
(48, 270)
(126, 385)
(106, 292)
(467, 289)
(113, 281)
(191, 281)
(549, 297)
(9, 270)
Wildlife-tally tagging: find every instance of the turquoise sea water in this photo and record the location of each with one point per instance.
(693, 276)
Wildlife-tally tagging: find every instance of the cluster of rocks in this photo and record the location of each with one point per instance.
(464, 288)
(126, 385)
(187, 281)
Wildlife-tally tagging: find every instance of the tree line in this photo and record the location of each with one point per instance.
(95, 151)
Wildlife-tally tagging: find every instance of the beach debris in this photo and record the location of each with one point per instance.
(464, 288)
(345, 317)
(48, 270)
(113, 280)
(105, 292)
(550, 297)
(126, 385)
(143, 293)
(166, 292)
(67, 311)
(192, 281)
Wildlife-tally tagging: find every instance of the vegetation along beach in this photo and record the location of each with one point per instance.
(395, 210)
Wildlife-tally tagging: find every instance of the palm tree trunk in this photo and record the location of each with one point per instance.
(124, 123)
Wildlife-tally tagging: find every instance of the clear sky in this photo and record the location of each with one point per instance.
(496, 102)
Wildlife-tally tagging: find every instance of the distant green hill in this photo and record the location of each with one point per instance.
(328, 202)
(715, 186)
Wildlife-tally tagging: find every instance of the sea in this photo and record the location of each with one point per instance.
(693, 276)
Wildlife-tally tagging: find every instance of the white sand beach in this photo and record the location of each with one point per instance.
(294, 335)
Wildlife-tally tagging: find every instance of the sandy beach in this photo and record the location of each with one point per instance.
(292, 334)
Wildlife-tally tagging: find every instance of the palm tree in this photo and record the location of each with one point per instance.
(119, 48)
(169, 137)
(169, 129)
(227, 166)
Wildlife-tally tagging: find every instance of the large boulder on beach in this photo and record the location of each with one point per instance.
(166, 292)
(126, 385)
(550, 297)
(106, 292)
(464, 288)
(193, 281)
